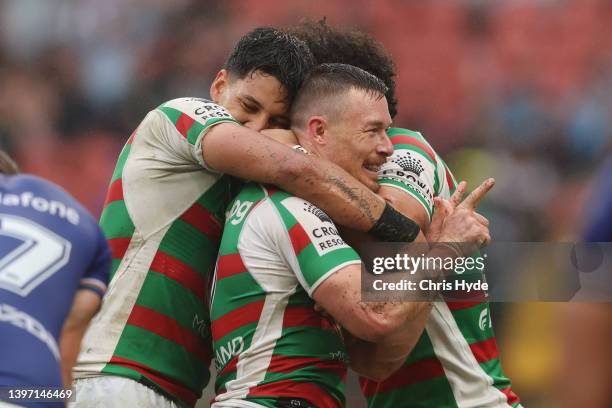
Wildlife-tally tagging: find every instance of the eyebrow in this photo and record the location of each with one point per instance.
(377, 124)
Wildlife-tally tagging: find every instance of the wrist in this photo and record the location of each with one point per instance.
(392, 226)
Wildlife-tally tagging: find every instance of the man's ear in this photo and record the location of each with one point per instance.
(219, 85)
(317, 129)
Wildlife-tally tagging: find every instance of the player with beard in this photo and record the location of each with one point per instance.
(280, 254)
(455, 362)
(163, 218)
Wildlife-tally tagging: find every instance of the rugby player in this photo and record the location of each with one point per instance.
(54, 268)
(280, 254)
(164, 212)
(456, 361)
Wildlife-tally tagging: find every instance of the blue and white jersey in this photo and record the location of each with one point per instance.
(50, 247)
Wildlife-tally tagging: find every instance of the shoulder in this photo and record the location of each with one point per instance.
(198, 109)
(409, 140)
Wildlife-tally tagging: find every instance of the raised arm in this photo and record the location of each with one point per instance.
(246, 154)
(389, 331)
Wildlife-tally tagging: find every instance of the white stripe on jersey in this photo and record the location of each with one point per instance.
(470, 384)
(162, 176)
(103, 334)
(266, 266)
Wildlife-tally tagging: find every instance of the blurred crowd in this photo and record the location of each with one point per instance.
(519, 90)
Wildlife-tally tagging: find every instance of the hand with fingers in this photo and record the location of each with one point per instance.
(456, 221)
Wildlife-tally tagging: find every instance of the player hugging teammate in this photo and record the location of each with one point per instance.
(172, 207)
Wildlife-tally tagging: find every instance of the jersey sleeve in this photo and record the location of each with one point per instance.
(188, 121)
(413, 168)
(96, 277)
(310, 243)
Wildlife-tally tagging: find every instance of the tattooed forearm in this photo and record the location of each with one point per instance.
(352, 195)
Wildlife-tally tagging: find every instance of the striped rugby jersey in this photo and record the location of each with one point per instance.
(163, 219)
(271, 348)
(455, 362)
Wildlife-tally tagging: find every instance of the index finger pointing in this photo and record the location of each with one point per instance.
(473, 199)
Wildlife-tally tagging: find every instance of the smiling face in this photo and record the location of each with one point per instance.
(355, 138)
(258, 101)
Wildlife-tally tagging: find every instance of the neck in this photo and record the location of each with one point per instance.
(306, 143)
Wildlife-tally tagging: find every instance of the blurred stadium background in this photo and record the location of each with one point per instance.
(520, 90)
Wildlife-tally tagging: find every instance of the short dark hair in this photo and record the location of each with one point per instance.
(349, 47)
(328, 80)
(272, 52)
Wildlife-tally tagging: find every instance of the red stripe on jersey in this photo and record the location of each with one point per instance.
(114, 193)
(287, 364)
(418, 371)
(406, 140)
(131, 138)
(230, 367)
(271, 189)
(118, 246)
(449, 179)
(459, 305)
(201, 219)
(169, 329)
(237, 318)
(305, 316)
(229, 265)
(288, 388)
(454, 296)
(511, 396)
(172, 388)
(176, 270)
(485, 350)
(183, 124)
(299, 238)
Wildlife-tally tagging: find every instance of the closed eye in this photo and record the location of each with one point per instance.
(249, 108)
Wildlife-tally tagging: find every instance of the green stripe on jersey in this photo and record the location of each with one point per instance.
(125, 152)
(237, 290)
(115, 221)
(191, 246)
(469, 321)
(413, 192)
(163, 356)
(196, 127)
(423, 394)
(494, 369)
(309, 341)
(422, 350)
(184, 308)
(407, 132)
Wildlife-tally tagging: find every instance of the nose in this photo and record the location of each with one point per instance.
(257, 123)
(385, 147)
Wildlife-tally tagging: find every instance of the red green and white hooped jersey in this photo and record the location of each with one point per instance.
(455, 362)
(163, 219)
(270, 345)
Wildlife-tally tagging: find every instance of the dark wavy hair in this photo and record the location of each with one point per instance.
(329, 45)
(272, 52)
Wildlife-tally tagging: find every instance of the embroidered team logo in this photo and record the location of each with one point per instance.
(409, 164)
